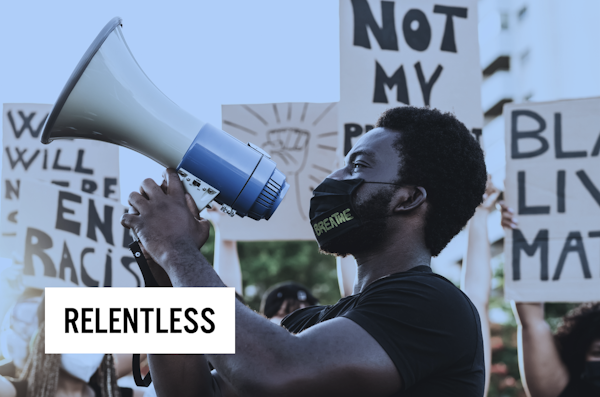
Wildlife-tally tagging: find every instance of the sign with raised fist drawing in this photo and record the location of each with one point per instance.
(302, 139)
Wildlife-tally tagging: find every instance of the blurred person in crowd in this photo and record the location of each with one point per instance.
(566, 364)
(22, 322)
(285, 298)
(58, 375)
(408, 186)
(476, 280)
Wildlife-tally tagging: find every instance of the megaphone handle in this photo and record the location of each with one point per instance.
(136, 250)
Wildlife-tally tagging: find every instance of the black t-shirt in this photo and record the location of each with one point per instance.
(426, 325)
(21, 389)
(578, 388)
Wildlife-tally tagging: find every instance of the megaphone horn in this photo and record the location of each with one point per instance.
(109, 98)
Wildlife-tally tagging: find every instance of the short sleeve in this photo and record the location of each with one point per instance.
(425, 325)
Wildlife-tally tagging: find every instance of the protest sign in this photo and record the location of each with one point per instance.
(301, 138)
(553, 184)
(410, 52)
(88, 166)
(69, 238)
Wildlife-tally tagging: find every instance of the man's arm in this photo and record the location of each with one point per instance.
(476, 271)
(541, 367)
(544, 372)
(336, 357)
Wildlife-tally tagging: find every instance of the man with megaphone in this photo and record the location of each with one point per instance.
(408, 186)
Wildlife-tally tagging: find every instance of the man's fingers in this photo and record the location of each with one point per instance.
(174, 185)
(130, 221)
(150, 188)
(137, 201)
(191, 204)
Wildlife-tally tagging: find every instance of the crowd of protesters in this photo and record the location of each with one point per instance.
(412, 183)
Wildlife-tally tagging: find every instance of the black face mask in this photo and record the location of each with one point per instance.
(591, 375)
(332, 212)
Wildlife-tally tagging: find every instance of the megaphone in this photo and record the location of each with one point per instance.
(109, 98)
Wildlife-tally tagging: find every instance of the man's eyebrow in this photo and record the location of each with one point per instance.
(364, 152)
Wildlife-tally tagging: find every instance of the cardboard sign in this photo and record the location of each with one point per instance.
(68, 238)
(88, 166)
(301, 138)
(409, 52)
(553, 184)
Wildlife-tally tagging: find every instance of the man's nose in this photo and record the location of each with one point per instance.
(337, 174)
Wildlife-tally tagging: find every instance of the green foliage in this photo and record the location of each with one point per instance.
(267, 263)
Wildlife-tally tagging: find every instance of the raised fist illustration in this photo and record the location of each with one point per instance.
(288, 148)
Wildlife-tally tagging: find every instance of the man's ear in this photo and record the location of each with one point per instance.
(409, 197)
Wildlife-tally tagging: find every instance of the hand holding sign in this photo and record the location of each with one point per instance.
(164, 222)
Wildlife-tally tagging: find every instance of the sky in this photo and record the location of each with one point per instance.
(201, 54)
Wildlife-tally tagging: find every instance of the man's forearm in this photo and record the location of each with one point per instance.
(189, 268)
(181, 375)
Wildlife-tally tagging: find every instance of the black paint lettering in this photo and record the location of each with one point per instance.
(108, 184)
(36, 242)
(560, 191)
(478, 133)
(211, 327)
(363, 18)
(398, 79)
(26, 124)
(560, 154)
(448, 41)
(523, 208)
(126, 261)
(419, 38)
(60, 183)
(351, 130)
(128, 319)
(574, 243)
(85, 277)
(88, 186)
(98, 329)
(66, 262)
(45, 163)
(191, 320)
(596, 149)
(69, 320)
(146, 311)
(108, 270)
(589, 185)
(57, 166)
(12, 217)
(95, 222)
(533, 134)
(10, 190)
(174, 320)
(79, 165)
(520, 244)
(20, 158)
(85, 319)
(426, 86)
(114, 320)
(61, 222)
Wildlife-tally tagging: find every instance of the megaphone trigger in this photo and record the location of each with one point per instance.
(202, 193)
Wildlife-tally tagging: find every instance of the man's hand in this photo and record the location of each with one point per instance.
(165, 219)
(490, 196)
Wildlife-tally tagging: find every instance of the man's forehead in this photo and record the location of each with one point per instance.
(374, 142)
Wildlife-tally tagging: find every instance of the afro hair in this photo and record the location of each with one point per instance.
(439, 154)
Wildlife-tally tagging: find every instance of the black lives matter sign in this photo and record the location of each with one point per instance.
(85, 166)
(395, 53)
(553, 184)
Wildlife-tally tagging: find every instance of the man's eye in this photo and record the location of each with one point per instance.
(356, 166)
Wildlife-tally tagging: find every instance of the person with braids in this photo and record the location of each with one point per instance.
(56, 375)
(407, 188)
(566, 364)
